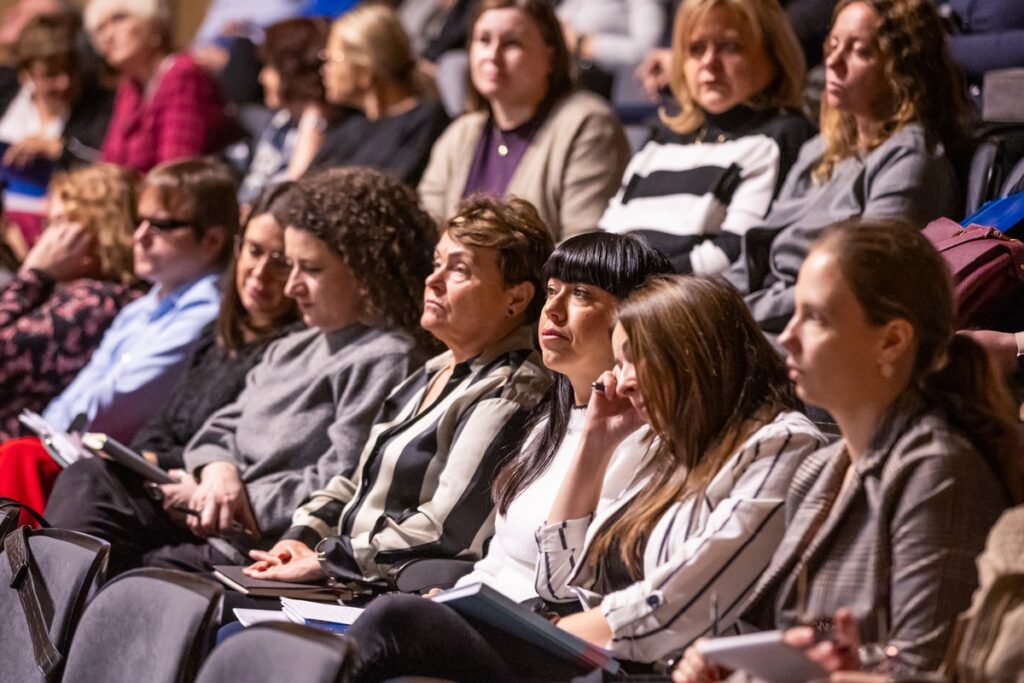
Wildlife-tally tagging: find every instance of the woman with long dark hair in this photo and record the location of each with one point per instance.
(587, 277)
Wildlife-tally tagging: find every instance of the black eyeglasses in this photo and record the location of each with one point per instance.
(165, 224)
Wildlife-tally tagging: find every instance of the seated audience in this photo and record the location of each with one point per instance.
(529, 134)
(292, 88)
(701, 514)
(59, 113)
(370, 67)
(254, 311)
(422, 484)
(587, 277)
(711, 171)
(894, 112)
(359, 248)
(188, 217)
(166, 107)
(53, 117)
(886, 522)
(69, 289)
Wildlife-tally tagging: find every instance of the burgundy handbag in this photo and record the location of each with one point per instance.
(987, 268)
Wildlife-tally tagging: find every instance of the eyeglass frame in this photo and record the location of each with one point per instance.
(275, 259)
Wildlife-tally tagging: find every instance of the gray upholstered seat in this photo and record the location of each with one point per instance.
(70, 568)
(275, 652)
(153, 625)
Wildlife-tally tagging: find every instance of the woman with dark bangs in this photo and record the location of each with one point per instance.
(587, 277)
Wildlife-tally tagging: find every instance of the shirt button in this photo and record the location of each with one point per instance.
(652, 600)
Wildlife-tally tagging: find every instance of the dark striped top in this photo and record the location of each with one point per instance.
(422, 484)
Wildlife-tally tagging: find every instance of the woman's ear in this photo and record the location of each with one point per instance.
(897, 342)
(520, 296)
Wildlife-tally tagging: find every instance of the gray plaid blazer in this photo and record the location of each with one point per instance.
(897, 547)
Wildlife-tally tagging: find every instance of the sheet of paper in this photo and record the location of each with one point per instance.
(305, 610)
(248, 617)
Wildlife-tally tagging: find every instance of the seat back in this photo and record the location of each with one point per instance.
(65, 570)
(985, 174)
(275, 652)
(1014, 182)
(153, 625)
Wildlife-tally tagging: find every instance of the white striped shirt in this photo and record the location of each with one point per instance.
(717, 544)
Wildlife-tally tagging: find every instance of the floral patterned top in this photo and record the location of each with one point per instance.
(48, 332)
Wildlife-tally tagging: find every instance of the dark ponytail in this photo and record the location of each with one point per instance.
(974, 396)
(894, 272)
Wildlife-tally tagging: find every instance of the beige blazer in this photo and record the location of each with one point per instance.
(571, 169)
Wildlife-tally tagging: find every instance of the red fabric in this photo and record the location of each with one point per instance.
(184, 117)
(27, 474)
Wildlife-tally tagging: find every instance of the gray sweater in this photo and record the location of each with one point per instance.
(899, 179)
(303, 416)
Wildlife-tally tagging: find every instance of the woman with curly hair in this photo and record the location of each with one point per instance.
(70, 287)
(894, 115)
(359, 246)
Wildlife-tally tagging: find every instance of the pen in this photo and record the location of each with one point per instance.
(235, 526)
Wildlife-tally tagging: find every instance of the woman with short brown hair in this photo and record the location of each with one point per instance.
(529, 132)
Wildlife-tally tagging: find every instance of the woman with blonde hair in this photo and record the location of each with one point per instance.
(894, 116)
(712, 169)
(68, 290)
(369, 66)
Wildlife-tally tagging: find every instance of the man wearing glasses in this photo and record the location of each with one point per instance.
(188, 217)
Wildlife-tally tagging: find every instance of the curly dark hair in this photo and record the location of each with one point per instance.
(376, 224)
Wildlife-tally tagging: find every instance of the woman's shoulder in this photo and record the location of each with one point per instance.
(789, 430)
(788, 126)
(578, 105)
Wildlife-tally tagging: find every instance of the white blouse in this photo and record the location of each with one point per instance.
(509, 565)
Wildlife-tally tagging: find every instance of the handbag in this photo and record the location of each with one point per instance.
(987, 269)
(46, 577)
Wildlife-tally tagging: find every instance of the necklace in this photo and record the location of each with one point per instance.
(502, 144)
(703, 133)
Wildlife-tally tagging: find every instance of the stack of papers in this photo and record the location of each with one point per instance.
(334, 618)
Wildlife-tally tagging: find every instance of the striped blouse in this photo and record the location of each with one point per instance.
(702, 550)
(422, 487)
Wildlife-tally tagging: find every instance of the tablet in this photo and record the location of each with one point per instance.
(764, 655)
(121, 454)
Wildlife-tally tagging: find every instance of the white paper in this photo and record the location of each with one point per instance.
(301, 611)
(248, 617)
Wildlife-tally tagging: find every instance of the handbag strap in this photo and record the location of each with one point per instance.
(23, 579)
(10, 504)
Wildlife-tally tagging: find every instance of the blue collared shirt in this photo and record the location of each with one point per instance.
(140, 360)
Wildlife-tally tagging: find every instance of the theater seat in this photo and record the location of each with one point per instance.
(68, 567)
(1014, 182)
(277, 652)
(984, 177)
(153, 625)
